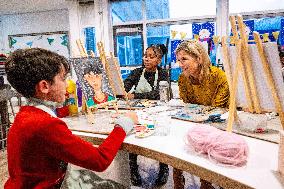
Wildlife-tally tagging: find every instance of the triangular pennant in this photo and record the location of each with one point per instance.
(50, 40)
(30, 44)
(196, 37)
(173, 33)
(275, 35)
(216, 40)
(182, 35)
(12, 42)
(64, 40)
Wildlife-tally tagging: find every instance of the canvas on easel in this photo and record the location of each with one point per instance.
(254, 74)
(93, 81)
(115, 75)
(263, 90)
(113, 71)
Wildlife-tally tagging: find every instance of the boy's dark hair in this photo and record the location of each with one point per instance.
(92, 68)
(27, 67)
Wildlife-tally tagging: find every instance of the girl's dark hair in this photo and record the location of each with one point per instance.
(25, 68)
(159, 49)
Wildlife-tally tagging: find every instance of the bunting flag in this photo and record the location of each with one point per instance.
(50, 40)
(265, 37)
(173, 33)
(196, 37)
(183, 35)
(56, 42)
(275, 35)
(216, 40)
(30, 44)
(12, 42)
(64, 39)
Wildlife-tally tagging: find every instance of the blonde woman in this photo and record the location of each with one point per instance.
(199, 83)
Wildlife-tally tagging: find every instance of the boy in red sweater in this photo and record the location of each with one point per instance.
(40, 144)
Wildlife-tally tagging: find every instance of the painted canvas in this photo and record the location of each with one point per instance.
(93, 80)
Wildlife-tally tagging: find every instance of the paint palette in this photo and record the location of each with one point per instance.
(142, 131)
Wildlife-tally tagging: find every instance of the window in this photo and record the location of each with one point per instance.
(237, 6)
(190, 8)
(125, 11)
(157, 9)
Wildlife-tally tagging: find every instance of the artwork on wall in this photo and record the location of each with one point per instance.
(93, 80)
(55, 41)
(203, 30)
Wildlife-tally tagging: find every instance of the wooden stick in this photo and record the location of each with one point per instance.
(243, 68)
(269, 75)
(102, 53)
(226, 62)
(90, 116)
(232, 107)
(233, 26)
(107, 66)
(81, 48)
(248, 62)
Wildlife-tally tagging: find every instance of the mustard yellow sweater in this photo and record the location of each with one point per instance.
(212, 92)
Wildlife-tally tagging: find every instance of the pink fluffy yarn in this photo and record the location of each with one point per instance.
(220, 146)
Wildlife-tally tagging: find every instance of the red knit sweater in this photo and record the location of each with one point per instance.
(38, 142)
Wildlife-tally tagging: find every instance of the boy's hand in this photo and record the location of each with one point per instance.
(127, 121)
(133, 116)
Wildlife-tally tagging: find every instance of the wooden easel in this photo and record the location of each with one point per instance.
(244, 65)
(269, 76)
(108, 70)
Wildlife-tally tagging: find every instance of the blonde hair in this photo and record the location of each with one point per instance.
(195, 49)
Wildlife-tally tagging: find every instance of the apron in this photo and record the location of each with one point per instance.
(143, 86)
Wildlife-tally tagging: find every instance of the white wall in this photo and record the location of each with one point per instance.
(94, 15)
(48, 21)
